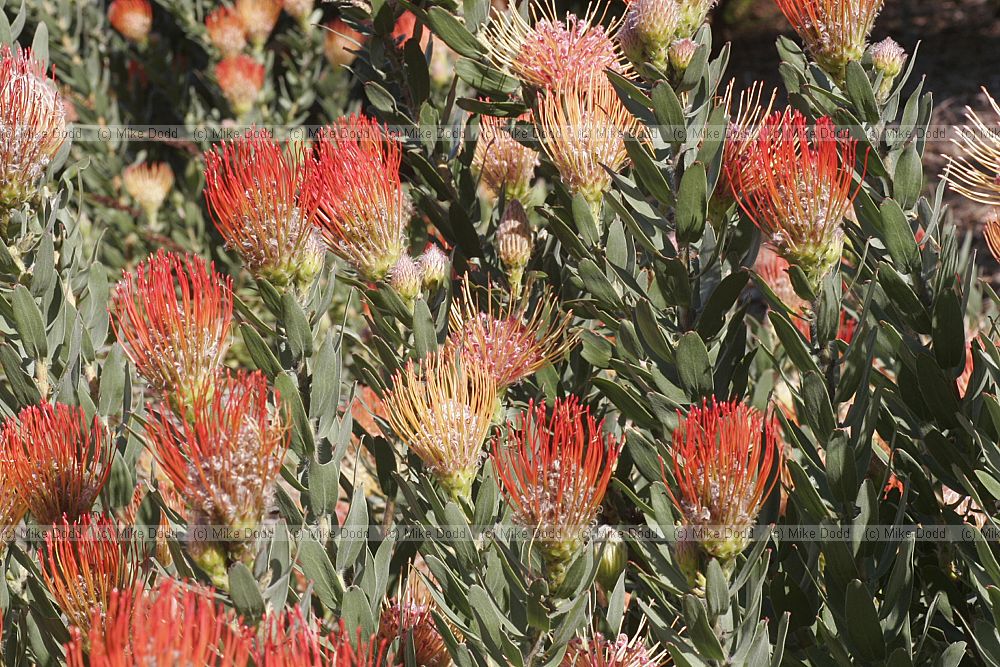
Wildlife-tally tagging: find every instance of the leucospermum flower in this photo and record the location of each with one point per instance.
(223, 461)
(625, 651)
(57, 459)
(259, 18)
(501, 162)
(410, 619)
(888, 58)
(172, 624)
(514, 243)
(32, 127)
(834, 31)
(253, 190)
(442, 409)
(226, 31)
(361, 207)
(132, 18)
(583, 124)
(83, 562)
(554, 471)
(405, 277)
(341, 42)
(726, 461)
(435, 268)
(745, 114)
(12, 505)
(796, 187)
(510, 340)
(975, 173)
(148, 183)
(172, 316)
(288, 639)
(548, 50)
(240, 78)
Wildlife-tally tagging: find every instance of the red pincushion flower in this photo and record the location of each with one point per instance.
(132, 18)
(354, 188)
(83, 563)
(56, 459)
(554, 472)
(796, 187)
(288, 639)
(226, 31)
(240, 77)
(726, 460)
(835, 31)
(172, 316)
(173, 624)
(252, 187)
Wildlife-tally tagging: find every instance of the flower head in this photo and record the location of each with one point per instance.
(253, 190)
(745, 114)
(83, 563)
(289, 639)
(554, 472)
(647, 31)
(259, 17)
(32, 126)
(132, 18)
(501, 162)
(405, 277)
(726, 461)
(796, 187)
(583, 123)
(224, 459)
(511, 341)
(888, 59)
(172, 317)
(550, 50)
(148, 183)
(410, 619)
(172, 624)
(226, 31)
(441, 409)
(340, 43)
(975, 173)
(514, 243)
(12, 505)
(361, 207)
(240, 77)
(435, 267)
(835, 31)
(597, 651)
(57, 459)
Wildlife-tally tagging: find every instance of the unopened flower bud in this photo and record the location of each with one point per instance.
(405, 277)
(888, 58)
(681, 53)
(688, 558)
(148, 184)
(649, 28)
(132, 18)
(435, 268)
(514, 242)
(614, 558)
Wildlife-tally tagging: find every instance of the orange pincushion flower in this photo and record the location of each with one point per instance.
(32, 123)
(554, 472)
(741, 131)
(340, 42)
(442, 410)
(512, 341)
(975, 173)
(288, 639)
(83, 563)
(583, 123)
(172, 317)
(727, 459)
(501, 162)
(148, 183)
(172, 624)
(226, 31)
(56, 459)
(253, 190)
(834, 31)
(240, 77)
(796, 187)
(259, 18)
(543, 55)
(132, 18)
(354, 188)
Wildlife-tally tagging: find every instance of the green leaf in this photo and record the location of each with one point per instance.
(669, 114)
(862, 625)
(29, 323)
(902, 297)
(692, 204)
(351, 542)
(700, 630)
(317, 568)
(648, 172)
(245, 593)
(818, 410)
(485, 78)
(599, 286)
(898, 237)
(40, 44)
(716, 590)
(260, 353)
(112, 388)
(725, 294)
(424, 335)
(303, 441)
(859, 89)
(297, 328)
(793, 342)
(584, 220)
(693, 366)
(948, 330)
(453, 33)
(908, 178)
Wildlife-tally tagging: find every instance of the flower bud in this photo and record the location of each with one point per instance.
(514, 243)
(148, 184)
(888, 58)
(681, 53)
(405, 277)
(132, 18)
(647, 31)
(614, 558)
(435, 267)
(240, 78)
